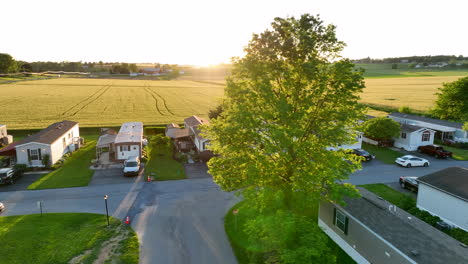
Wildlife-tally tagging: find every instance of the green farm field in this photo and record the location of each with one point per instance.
(105, 102)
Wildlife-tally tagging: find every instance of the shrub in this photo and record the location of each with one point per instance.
(161, 140)
(405, 110)
(20, 168)
(156, 130)
(181, 157)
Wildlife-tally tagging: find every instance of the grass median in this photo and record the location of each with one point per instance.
(66, 238)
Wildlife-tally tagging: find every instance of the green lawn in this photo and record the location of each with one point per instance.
(57, 238)
(161, 163)
(393, 196)
(457, 153)
(250, 253)
(74, 172)
(385, 155)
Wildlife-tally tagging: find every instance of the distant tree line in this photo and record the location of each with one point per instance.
(451, 59)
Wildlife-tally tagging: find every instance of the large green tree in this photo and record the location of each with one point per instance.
(381, 128)
(452, 100)
(288, 99)
(7, 63)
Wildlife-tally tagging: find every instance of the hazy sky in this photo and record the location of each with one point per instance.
(209, 32)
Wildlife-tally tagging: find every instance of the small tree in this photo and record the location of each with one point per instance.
(381, 128)
(214, 113)
(405, 110)
(465, 126)
(46, 160)
(452, 100)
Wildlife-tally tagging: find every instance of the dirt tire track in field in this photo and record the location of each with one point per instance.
(154, 97)
(93, 100)
(86, 99)
(162, 98)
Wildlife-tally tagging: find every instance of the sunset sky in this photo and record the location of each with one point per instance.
(207, 32)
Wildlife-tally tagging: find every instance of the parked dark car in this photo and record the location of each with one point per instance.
(409, 183)
(363, 153)
(9, 175)
(435, 150)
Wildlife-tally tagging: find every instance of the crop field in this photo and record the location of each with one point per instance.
(418, 93)
(109, 102)
(104, 102)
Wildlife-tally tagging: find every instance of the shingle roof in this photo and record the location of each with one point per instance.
(195, 121)
(49, 134)
(180, 133)
(130, 132)
(453, 180)
(428, 120)
(432, 245)
(409, 128)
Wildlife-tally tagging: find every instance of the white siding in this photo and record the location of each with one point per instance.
(413, 140)
(123, 155)
(22, 154)
(449, 208)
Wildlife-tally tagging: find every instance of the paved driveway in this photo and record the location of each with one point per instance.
(113, 176)
(22, 183)
(182, 222)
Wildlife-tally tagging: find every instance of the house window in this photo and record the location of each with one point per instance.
(34, 154)
(64, 142)
(426, 136)
(124, 148)
(341, 221)
(403, 135)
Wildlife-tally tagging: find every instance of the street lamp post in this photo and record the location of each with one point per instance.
(107, 211)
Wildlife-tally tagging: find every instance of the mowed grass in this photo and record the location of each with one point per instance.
(105, 102)
(247, 252)
(58, 238)
(161, 163)
(386, 155)
(74, 172)
(458, 153)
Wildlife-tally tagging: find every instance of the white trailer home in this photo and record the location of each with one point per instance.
(55, 141)
(129, 141)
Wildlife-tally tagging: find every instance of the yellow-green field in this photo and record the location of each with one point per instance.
(109, 102)
(104, 102)
(416, 92)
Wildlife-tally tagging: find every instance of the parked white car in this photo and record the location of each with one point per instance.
(412, 161)
(2, 207)
(131, 166)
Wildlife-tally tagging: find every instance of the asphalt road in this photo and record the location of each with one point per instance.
(176, 221)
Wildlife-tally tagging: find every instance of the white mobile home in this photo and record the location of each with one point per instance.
(412, 137)
(445, 193)
(129, 141)
(446, 129)
(55, 141)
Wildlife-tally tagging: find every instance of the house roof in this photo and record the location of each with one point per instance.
(172, 125)
(406, 234)
(195, 121)
(105, 140)
(49, 134)
(428, 120)
(409, 128)
(452, 180)
(131, 132)
(180, 133)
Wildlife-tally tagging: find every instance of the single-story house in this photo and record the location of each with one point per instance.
(446, 129)
(445, 194)
(192, 124)
(181, 137)
(129, 141)
(55, 141)
(372, 230)
(411, 137)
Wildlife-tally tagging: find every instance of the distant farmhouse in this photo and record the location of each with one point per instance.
(371, 230)
(55, 140)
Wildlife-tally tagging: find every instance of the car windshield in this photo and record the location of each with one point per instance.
(131, 164)
(404, 158)
(413, 181)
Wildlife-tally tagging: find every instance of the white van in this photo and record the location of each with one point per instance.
(131, 166)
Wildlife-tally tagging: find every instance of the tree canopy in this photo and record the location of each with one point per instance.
(452, 100)
(7, 64)
(290, 98)
(381, 128)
